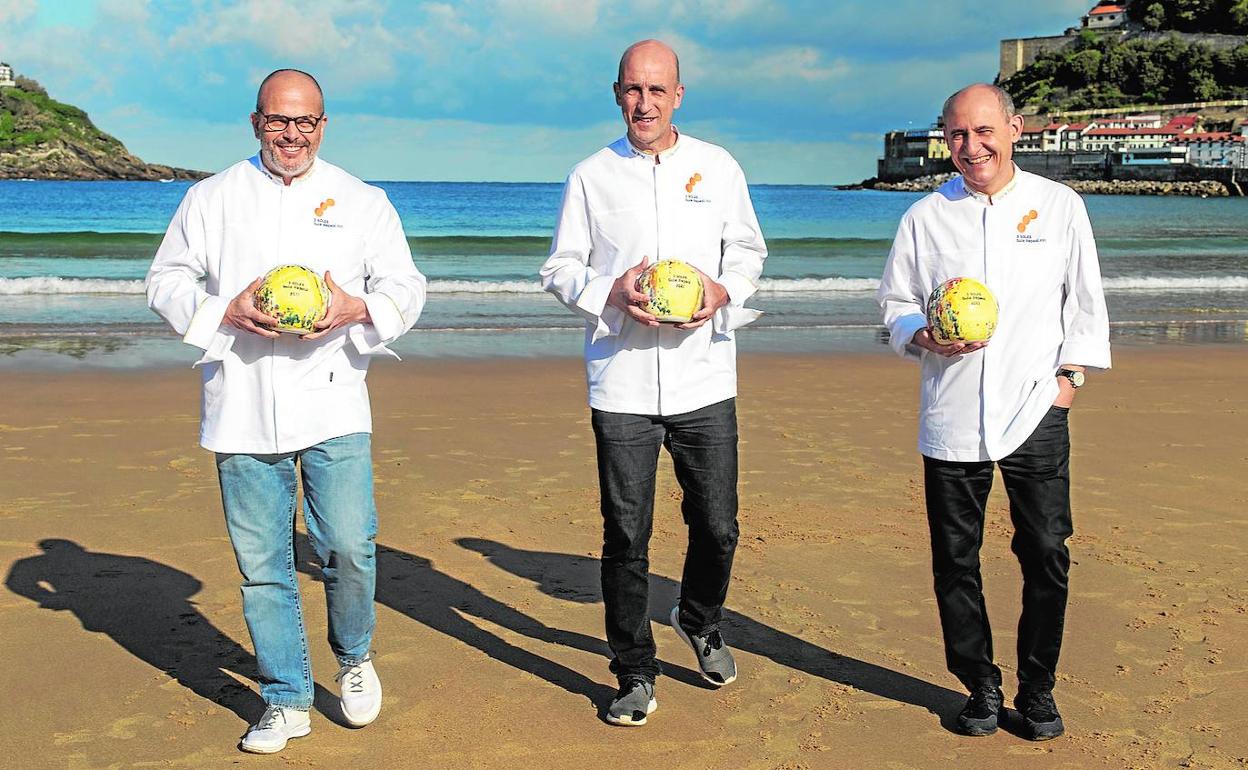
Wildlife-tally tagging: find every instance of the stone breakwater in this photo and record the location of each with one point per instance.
(1201, 189)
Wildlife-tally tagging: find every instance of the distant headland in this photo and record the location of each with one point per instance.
(41, 138)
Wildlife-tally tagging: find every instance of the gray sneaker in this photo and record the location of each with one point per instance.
(633, 703)
(714, 658)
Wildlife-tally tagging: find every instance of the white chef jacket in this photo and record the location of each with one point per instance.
(620, 205)
(266, 396)
(1032, 246)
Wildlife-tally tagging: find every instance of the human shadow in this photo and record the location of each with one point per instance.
(576, 579)
(146, 608)
(411, 585)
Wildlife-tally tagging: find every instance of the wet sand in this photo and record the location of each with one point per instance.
(127, 647)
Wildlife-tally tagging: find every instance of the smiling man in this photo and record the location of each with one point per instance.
(1004, 402)
(658, 194)
(277, 408)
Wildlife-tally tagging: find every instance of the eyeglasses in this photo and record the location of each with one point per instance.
(305, 123)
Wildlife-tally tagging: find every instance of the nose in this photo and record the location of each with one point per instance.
(643, 103)
(290, 133)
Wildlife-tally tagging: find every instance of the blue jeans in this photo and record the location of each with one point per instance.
(703, 446)
(258, 494)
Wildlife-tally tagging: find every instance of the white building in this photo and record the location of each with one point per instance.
(1218, 148)
(1106, 16)
(6, 75)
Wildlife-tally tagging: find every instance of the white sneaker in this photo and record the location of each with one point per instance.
(361, 692)
(277, 726)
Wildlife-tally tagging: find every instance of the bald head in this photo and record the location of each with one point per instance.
(976, 90)
(287, 80)
(648, 47)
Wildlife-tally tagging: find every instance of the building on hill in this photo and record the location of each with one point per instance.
(1106, 16)
(6, 76)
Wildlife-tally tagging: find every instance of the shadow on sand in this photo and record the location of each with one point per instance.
(576, 579)
(411, 585)
(146, 608)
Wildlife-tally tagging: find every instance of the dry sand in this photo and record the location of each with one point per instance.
(125, 645)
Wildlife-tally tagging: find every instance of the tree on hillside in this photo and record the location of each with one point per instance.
(1227, 17)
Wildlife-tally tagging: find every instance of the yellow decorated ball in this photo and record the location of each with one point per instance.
(961, 310)
(296, 296)
(673, 291)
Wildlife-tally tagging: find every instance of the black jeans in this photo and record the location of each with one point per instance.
(703, 446)
(1037, 480)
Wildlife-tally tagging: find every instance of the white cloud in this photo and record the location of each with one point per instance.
(14, 11)
(347, 37)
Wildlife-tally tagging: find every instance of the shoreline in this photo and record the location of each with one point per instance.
(153, 348)
(1192, 189)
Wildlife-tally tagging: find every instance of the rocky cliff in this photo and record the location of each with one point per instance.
(41, 138)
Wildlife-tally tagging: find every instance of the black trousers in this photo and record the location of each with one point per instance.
(703, 446)
(1037, 480)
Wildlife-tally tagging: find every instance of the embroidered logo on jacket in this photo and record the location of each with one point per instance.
(1022, 236)
(690, 197)
(320, 220)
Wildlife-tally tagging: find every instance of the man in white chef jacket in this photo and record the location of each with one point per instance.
(1003, 402)
(277, 407)
(659, 194)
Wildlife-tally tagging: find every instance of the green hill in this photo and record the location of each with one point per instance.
(1103, 70)
(41, 138)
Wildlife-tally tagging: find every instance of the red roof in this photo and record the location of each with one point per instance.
(1055, 126)
(1183, 121)
(1102, 9)
(1210, 136)
(1076, 126)
(1132, 132)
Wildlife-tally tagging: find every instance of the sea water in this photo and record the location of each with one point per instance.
(73, 256)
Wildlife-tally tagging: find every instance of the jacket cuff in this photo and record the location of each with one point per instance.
(903, 331)
(368, 342)
(206, 323)
(220, 345)
(739, 288)
(730, 317)
(385, 316)
(1093, 353)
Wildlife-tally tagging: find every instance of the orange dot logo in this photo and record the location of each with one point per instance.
(325, 204)
(693, 181)
(1028, 218)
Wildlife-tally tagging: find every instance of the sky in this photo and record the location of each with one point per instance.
(517, 90)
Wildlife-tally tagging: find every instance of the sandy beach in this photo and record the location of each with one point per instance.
(126, 645)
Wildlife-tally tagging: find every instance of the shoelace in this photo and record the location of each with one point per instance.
(713, 642)
(354, 675)
(630, 684)
(985, 697)
(271, 716)
(1042, 702)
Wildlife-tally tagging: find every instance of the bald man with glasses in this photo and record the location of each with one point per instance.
(278, 408)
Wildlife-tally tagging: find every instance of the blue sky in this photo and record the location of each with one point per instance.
(517, 90)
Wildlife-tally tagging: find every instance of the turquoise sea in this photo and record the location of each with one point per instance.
(73, 256)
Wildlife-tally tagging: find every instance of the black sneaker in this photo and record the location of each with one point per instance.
(1039, 712)
(979, 715)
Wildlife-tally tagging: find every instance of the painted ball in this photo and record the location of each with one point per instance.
(961, 310)
(295, 295)
(673, 291)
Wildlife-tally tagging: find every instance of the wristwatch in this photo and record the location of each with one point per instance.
(1076, 379)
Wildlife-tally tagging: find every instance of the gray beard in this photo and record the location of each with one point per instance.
(271, 160)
